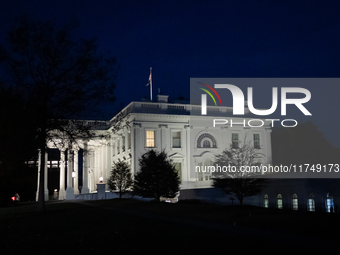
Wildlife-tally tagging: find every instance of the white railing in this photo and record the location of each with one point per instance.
(178, 107)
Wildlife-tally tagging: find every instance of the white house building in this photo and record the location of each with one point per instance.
(189, 139)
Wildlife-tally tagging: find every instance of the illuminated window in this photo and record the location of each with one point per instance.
(279, 201)
(150, 138)
(176, 139)
(295, 202)
(257, 141)
(234, 140)
(55, 164)
(311, 203)
(329, 203)
(266, 202)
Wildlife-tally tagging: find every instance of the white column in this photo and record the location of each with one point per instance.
(39, 162)
(62, 193)
(102, 169)
(46, 176)
(119, 147)
(95, 174)
(113, 145)
(126, 140)
(188, 155)
(132, 130)
(104, 157)
(138, 145)
(85, 187)
(163, 143)
(268, 145)
(108, 163)
(69, 189)
(76, 170)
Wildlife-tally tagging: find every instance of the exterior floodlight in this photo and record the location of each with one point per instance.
(101, 179)
(73, 174)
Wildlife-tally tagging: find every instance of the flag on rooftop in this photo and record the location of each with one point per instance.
(149, 81)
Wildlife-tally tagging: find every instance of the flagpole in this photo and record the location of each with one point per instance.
(151, 83)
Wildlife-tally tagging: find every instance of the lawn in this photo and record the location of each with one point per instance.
(135, 227)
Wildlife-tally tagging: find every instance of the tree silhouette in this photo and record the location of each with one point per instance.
(17, 145)
(157, 176)
(121, 178)
(238, 182)
(63, 78)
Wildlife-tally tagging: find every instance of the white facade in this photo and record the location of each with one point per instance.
(189, 140)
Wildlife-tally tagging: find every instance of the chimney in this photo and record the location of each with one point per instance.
(162, 98)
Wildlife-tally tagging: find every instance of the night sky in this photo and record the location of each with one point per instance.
(186, 39)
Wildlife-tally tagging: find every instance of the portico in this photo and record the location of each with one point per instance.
(72, 174)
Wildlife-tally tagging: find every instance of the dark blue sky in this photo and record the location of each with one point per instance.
(184, 39)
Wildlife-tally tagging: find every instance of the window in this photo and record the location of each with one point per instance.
(295, 202)
(329, 204)
(176, 139)
(114, 149)
(204, 173)
(118, 146)
(266, 201)
(257, 141)
(150, 138)
(206, 144)
(311, 203)
(201, 141)
(279, 201)
(234, 140)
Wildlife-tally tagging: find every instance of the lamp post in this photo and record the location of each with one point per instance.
(101, 189)
(55, 194)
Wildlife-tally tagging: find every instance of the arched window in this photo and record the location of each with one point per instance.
(206, 141)
(295, 202)
(206, 144)
(266, 202)
(311, 203)
(279, 201)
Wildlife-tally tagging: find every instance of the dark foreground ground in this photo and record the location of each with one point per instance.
(136, 227)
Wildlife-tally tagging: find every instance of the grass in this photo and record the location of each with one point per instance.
(120, 227)
(302, 222)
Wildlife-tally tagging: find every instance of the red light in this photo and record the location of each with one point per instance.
(13, 198)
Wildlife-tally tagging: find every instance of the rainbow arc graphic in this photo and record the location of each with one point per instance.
(210, 94)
